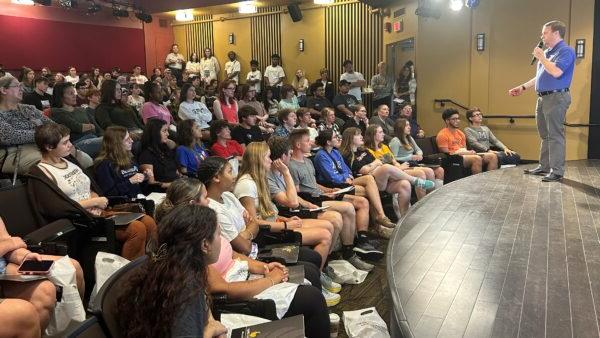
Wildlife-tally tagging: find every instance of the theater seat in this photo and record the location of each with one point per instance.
(90, 328)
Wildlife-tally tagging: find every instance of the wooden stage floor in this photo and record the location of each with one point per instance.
(500, 254)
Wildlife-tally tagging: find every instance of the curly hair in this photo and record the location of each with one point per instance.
(154, 296)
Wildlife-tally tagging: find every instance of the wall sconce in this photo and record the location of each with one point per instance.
(231, 38)
(580, 48)
(301, 45)
(480, 40)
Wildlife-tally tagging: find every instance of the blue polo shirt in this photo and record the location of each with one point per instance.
(564, 57)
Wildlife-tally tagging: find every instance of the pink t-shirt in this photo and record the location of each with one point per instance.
(230, 113)
(225, 261)
(152, 110)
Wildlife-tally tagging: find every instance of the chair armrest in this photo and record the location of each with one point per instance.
(50, 232)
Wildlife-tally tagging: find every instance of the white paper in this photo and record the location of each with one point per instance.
(157, 197)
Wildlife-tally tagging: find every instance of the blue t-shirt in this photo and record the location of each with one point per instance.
(191, 158)
(564, 57)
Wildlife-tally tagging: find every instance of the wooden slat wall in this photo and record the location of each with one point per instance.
(199, 35)
(266, 36)
(353, 32)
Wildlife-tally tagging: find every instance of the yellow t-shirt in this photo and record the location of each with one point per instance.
(381, 152)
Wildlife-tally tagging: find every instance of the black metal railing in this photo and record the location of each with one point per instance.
(512, 118)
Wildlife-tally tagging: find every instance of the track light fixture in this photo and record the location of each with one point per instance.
(93, 8)
(119, 12)
(68, 4)
(142, 16)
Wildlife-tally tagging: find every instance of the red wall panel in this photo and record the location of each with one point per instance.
(37, 43)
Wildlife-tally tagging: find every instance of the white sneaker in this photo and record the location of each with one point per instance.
(332, 299)
(328, 284)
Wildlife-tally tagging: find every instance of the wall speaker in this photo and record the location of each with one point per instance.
(295, 12)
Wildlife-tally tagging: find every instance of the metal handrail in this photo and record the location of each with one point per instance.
(512, 118)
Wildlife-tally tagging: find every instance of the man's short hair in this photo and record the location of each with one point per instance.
(344, 83)
(279, 146)
(216, 127)
(246, 111)
(301, 112)
(404, 104)
(470, 113)
(49, 135)
(346, 62)
(557, 26)
(296, 135)
(40, 79)
(283, 115)
(324, 136)
(92, 91)
(448, 113)
(253, 63)
(275, 56)
(315, 86)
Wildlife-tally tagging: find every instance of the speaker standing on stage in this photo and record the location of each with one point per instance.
(552, 80)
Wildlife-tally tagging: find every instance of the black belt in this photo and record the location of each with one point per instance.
(564, 90)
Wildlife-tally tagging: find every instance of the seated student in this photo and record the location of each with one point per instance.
(192, 191)
(451, 140)
(85, 134)
(154, 108)
(225, 106)
(374, 143)
(210, 96)
(328, 122)
(287, 122)
(317, 101)
(176, 276)
(25, 308)
(111, 111)
(283, 192)
(156, 156)
(55, 176)
(247, 131)
(331, 169)
(360, 119)
(252, 190)
(405, 149)
(248, 98)
(382, 119)
(289, 100)
(190, 152)
(236, 225)
(116, 171)
(136, 100)
(223, 145)
(481, 139)
(81, 89)
(406, 111)
(343, 102)
(305, 121)
(93, 97)
(189, 109)
(354, 209)
(271, 103)
(38, 97)
(388, 177)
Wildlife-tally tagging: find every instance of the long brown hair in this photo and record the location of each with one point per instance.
(113, 149)
(221, 94)
(252, 164)
(370, 136)
(404, 138)
(347, 140)
(177, 276)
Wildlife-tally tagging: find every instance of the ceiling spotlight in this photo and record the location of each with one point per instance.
(247, 7)
(120, 12)
(43, 2)
(472, 3)
(23, 2)
(146, 18)
(184, 15)
(68, 4)
(93, 8)
(456, 5)
(323, 2)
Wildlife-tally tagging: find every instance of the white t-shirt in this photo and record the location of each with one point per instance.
(246, 187)
(229, 215)
(353, 77)
(193, 67)
(208, 68)
(231, 67)
(274, 74)
(140, 79)
(255, 75)
(195, 111)
(72, 79)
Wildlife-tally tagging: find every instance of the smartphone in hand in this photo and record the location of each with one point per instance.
(35, 267)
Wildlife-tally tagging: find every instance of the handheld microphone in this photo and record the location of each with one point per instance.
(539, 45)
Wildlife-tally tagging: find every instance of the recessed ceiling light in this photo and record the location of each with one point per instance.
(247, 7)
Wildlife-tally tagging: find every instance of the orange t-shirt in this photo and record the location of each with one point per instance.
(451, 140)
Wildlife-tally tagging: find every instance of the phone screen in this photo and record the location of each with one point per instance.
(36, 266)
